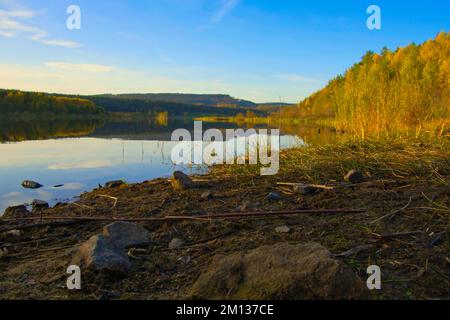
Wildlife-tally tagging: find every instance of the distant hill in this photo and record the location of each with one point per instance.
(215, 100)
(123, 103)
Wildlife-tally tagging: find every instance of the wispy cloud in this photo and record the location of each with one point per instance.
(61, 43)
(93, 164)
(226, 8)
(96, 68)
(12, 26)
(15, 23)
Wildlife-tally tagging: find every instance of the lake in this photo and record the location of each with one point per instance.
(69, 157)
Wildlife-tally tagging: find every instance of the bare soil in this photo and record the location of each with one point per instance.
(406, 190)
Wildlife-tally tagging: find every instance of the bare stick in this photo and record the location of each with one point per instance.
(73, 220)
(42, 225)
(109, 197)
(397, 235)
(81, 205)
(354, 251)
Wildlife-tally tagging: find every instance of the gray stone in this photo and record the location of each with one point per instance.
(14, 233)
(176, 243)
(274, 196)
(181, 181)
(126, 234)
(39, 204)
(305, 189)
(282, 229)
(282, 271)
(207, 195)
(354, 176)
(114, 184)
(28, 184)
(107, 253)
(248, 206)
(99, 254)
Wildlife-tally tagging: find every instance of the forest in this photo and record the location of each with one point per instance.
(37, 103)
(387, 92)
(215, 100)
(14, 101)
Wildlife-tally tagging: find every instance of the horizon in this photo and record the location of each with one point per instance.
(198, 46)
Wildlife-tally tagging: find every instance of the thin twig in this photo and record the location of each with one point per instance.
(235, 215)
(390, 215)
(301, 185)
(81, 205)
(397, 235)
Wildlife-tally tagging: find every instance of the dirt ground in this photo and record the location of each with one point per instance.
(415, 265)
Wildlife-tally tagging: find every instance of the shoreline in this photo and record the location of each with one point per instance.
(405, 190)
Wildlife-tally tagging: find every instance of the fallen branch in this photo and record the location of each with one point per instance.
(24, 243)
(81, 205)
(396, 235)
(203, 241)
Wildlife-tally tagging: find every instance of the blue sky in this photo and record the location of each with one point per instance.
(251, 49)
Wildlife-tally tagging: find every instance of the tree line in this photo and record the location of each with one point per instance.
(14, 101)
(121, 103)
(388, 91)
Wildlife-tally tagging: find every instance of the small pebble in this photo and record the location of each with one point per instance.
(282, 229)
(354, 176)
(207, 195)
(274, 196)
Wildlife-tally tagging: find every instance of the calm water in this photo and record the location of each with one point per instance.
(80, 155)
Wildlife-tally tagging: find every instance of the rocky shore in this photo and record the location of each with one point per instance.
(309, 232)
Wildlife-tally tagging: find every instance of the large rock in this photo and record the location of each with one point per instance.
(29, 184)
(39, 205)
(181, 181)
(101, 255)
(282, 271)
(16, 212)
(114, 184)
(126, 234)
(282, 229)
(106, 253)
(176, 243)
(354, 176)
